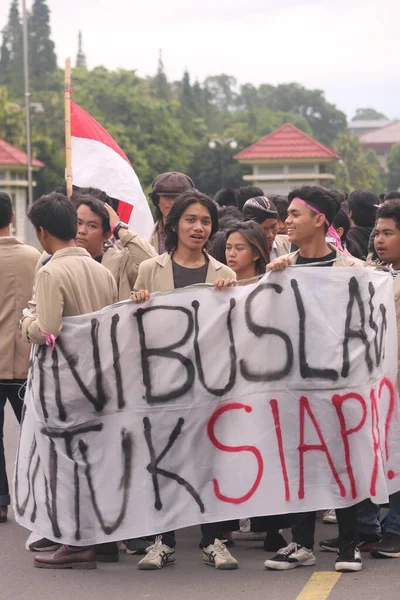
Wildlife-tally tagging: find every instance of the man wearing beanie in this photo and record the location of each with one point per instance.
(164, 191)
(264, 212)
(310, 214)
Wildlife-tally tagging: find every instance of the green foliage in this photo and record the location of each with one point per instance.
(11, 56)
(358, 168)
(393, 164)
(368, 114)
(42, 57)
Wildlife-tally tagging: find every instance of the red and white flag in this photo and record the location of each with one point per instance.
(98, 161)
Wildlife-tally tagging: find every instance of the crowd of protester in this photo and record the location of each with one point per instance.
(90, 260)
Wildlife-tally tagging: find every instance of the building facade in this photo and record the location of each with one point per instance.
(382, 140)
(13, 181)
(287, 158)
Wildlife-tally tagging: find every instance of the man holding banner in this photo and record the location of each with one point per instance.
(310, 214)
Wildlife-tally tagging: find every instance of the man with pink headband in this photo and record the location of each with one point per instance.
(310, 214)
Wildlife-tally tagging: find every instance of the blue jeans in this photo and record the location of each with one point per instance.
(368, 516)
(13, 390)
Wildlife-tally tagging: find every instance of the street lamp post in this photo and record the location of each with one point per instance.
(228, 142)
(27, 103)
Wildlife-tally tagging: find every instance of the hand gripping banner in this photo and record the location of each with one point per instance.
(202, 406)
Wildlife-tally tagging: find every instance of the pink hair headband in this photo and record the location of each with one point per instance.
(331, 230)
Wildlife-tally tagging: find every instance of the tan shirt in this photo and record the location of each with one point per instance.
(156, 275)
(17, 268)
(122, 261)
(343, 259)
(70, 284)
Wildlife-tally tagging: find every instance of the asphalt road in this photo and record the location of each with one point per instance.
(188, 579)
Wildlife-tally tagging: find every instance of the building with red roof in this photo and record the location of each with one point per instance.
(287, 158)
(13, 181)
(381, 140)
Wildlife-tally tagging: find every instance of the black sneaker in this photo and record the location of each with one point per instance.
(366, 543)
(389, 546)
(137, 546)
(348, 559)
(44, 545)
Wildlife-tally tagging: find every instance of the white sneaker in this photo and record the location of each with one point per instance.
(246, 534)
(158, 556)
(217, 555)
(291, 557)
(330, 516)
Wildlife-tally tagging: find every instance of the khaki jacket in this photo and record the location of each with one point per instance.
(282, 245)
(122, 261)
(156, 275)
(344, 260)
(70, 284)
(17, 268)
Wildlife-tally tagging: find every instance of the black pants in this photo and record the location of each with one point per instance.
(12, 390)
(304, 528)
(209, 531)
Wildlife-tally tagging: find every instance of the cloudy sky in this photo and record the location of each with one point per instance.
(349, 49)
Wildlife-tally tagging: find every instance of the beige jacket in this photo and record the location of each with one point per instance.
(282, 245)
(70, 284)
(156, 275)
(154, 238)
(123, 261)
(17, 268)
(344, 260)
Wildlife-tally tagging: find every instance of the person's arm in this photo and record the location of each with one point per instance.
(47, 319)
(137, 247)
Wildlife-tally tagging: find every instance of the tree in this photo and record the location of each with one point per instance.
(162, 90)
(11, 120)
(42, 57)
(80, 58)
(11, 57)
(358, 168)
(393, 164)
(368, 114)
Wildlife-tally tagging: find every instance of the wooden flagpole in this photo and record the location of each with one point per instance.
(67, 108)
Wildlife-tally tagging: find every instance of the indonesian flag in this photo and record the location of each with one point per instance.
(98, 161)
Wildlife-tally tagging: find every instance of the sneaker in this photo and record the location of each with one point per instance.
(330, 517)
(274, 541)
(3, 514)
(158, 556)
(136, 546)
(291, 557)
(217, 555)
(246, 534)
(44, 545)
(348, 559)
(366, 543)
(389, 546)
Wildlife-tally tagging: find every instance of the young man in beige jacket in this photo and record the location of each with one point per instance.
(70, 283)
(17, 267)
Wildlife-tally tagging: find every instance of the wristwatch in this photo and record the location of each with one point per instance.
(119, 226)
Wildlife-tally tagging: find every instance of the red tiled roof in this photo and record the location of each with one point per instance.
(10, 155)
(286, 142)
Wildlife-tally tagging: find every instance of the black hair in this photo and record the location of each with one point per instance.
(154, 197)
(225, 197)
(245, 193)
(56, 215)
(77, 192)
(6, 210)
(229, 212)
(97, 207)
(254, 234)
(361, 206)
(179, 206)
(281, 205)
(390, 210)
(391, 196)
(320, 198)
(218, 246)
(341, 219)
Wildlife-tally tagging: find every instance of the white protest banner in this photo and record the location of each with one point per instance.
(202, 406)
